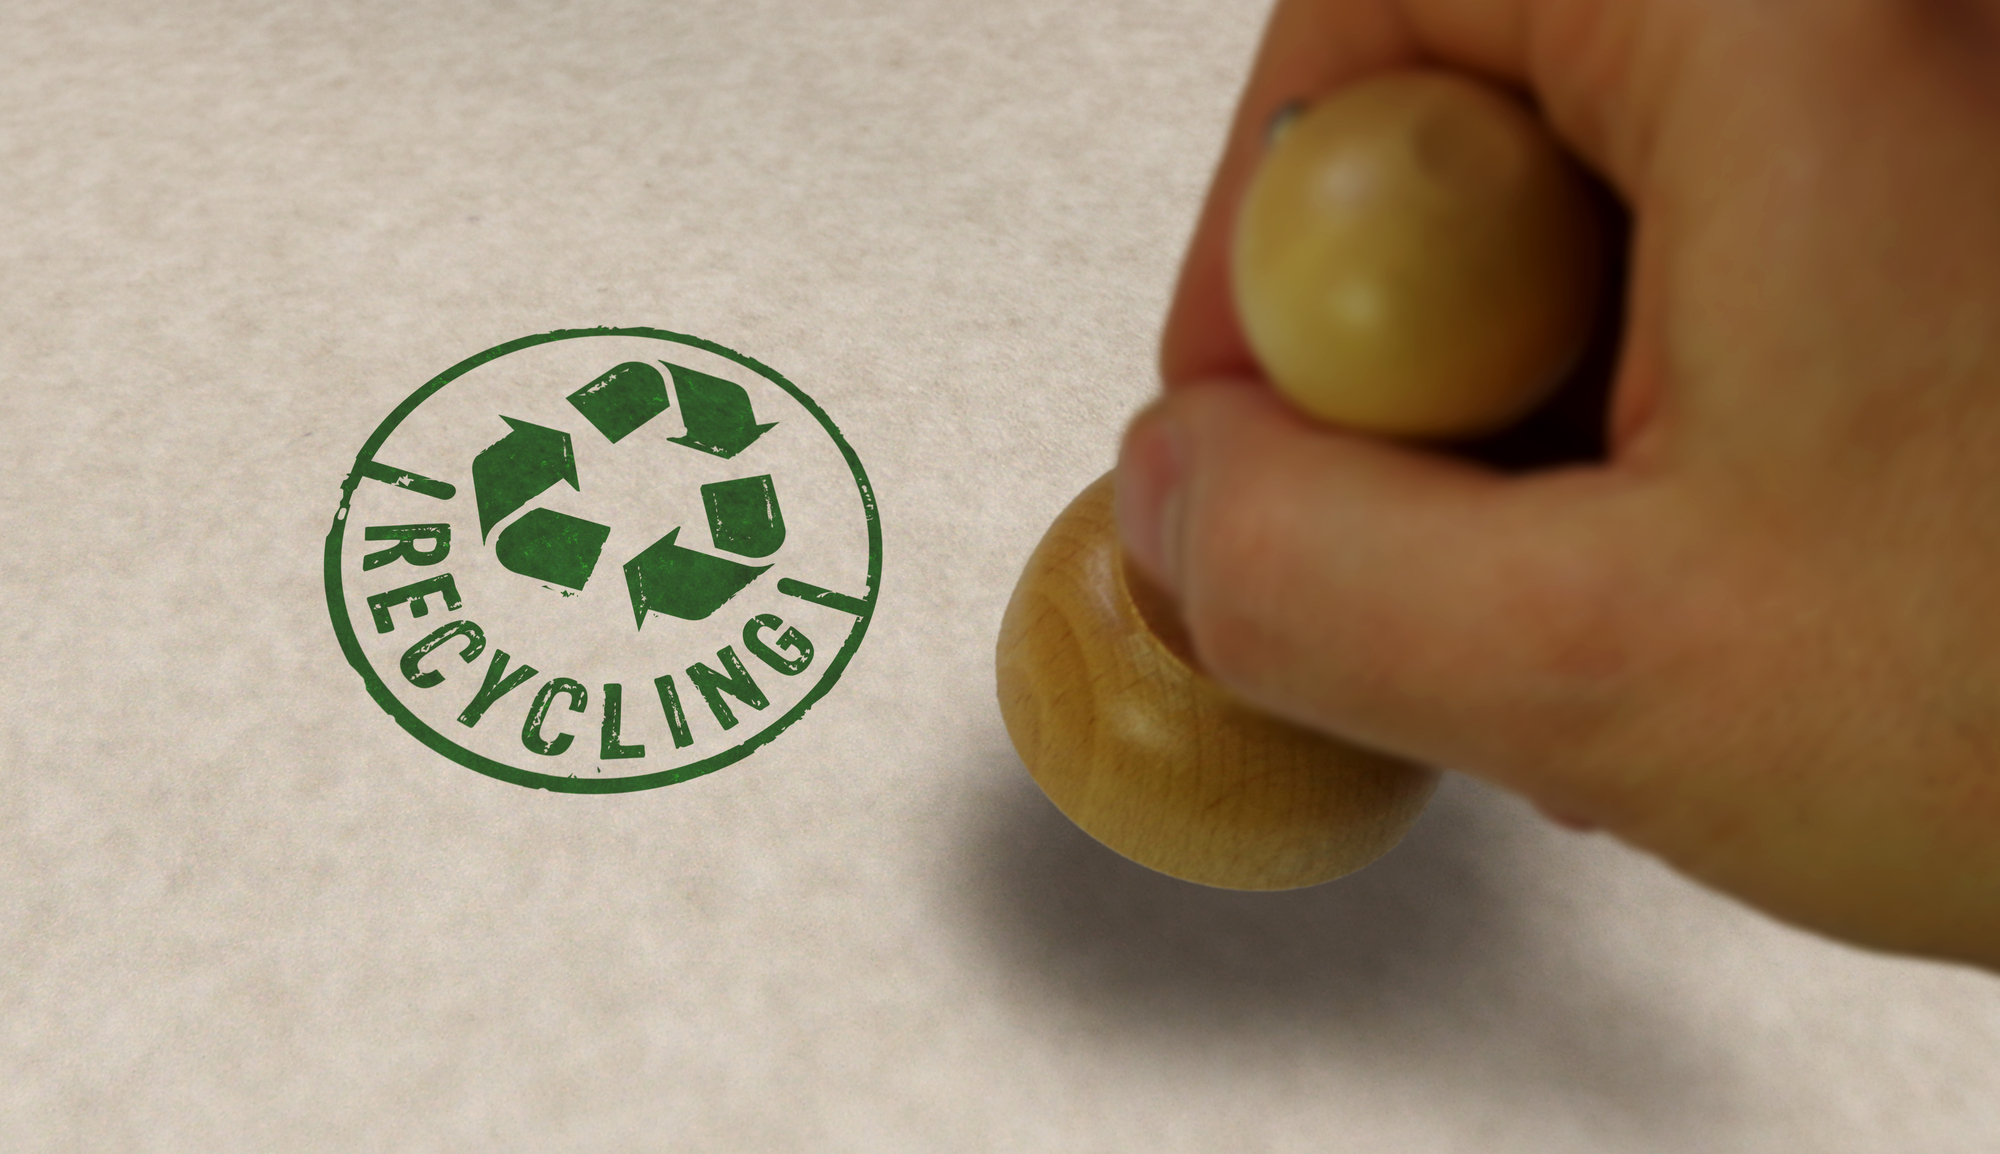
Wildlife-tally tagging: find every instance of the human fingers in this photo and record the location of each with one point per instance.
(1402, 599)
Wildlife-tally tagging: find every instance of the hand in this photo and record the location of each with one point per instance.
(1761, 639)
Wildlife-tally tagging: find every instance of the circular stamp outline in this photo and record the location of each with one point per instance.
(343, 626)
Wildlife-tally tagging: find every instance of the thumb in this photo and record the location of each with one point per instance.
(1402, 599)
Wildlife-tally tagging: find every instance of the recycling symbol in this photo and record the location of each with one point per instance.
(666, 555)
(744, 517)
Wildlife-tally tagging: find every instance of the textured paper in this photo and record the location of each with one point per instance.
(246, 911)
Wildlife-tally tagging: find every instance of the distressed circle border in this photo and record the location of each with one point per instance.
(343, 626)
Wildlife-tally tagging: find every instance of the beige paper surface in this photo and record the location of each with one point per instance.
(246, 911)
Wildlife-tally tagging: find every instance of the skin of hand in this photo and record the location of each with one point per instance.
(1761, 638)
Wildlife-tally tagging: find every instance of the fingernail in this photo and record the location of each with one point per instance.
(1147, 502)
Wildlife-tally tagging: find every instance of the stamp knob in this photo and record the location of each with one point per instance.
(1416, 256)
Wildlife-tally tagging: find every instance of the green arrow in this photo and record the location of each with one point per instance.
(623, 399)
(551, 546)
(743, 516)
(717, 413)
(666, 578)
(518, 468)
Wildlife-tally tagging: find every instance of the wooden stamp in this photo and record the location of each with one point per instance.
(1415, 257)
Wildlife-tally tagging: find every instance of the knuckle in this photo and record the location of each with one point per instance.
(1572, 611)
(1583, 623)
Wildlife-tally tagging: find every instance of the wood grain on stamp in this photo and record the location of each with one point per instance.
(1100, 695)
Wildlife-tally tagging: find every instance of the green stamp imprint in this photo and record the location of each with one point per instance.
(599, 560)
